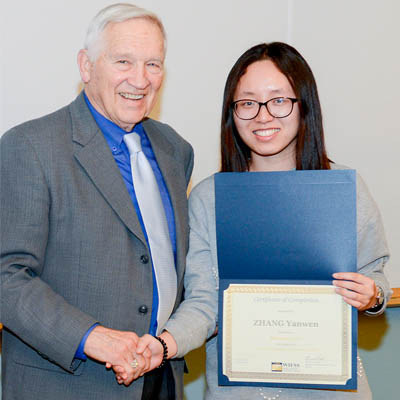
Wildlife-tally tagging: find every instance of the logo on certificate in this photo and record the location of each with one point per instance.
(276, 367)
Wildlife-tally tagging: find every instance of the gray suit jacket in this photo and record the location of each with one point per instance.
(71, 252)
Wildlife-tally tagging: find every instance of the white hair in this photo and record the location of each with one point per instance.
(119, 12)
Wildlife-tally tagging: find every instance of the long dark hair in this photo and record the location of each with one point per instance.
(310, 146)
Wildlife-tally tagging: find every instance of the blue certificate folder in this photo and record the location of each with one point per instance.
(292, 227)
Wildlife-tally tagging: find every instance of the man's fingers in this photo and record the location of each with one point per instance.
(120, 373)
(137, 367)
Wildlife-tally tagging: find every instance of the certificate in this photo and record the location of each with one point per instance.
(280, 237)
(288, 334)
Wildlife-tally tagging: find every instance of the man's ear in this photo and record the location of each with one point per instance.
(85, 65)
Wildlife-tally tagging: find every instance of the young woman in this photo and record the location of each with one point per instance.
(271, 121)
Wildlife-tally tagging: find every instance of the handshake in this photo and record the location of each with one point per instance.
(129, 355)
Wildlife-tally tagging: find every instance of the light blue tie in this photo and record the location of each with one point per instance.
(155, 222)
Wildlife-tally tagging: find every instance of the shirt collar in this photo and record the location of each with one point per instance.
(112, 132)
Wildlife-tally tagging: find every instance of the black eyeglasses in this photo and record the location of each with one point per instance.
(278, 107)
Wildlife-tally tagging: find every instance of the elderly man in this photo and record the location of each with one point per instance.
(94, 228)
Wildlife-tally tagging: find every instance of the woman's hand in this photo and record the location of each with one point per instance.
(357, 290)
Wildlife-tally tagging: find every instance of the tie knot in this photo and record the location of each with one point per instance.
(132, 141)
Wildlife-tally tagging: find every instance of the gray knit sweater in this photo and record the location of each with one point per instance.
(195, 319)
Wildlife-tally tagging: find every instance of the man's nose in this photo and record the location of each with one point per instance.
(138, 76)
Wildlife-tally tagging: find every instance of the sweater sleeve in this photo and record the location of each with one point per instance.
(372, 249)
(194, 320)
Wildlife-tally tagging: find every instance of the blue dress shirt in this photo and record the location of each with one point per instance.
(114, 137)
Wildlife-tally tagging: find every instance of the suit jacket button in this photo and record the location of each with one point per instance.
(144, 259)
(143, 309)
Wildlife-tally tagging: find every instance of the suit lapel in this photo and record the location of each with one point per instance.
(93, 154)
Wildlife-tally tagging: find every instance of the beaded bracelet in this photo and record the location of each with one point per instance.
(165, 351)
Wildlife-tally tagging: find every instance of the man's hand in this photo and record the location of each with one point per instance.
(357, 290)
(118, 349)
